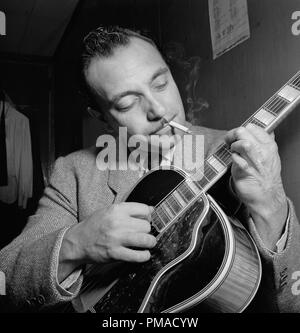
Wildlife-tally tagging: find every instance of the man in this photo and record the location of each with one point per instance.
(133, 87)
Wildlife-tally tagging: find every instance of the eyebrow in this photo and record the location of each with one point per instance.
(158, 73)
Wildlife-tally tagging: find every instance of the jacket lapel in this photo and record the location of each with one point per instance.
(121, 181)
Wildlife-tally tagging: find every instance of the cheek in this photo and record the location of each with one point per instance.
(134, 121)
(175, 99)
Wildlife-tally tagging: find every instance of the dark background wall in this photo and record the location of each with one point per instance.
(28, 85)
(239, 82)
(234, 85)
(70, 109)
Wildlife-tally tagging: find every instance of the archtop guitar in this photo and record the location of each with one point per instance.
(204, 260)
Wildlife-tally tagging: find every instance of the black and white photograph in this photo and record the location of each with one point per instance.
(149, 155)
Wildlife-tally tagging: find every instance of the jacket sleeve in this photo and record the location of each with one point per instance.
(30, 262)
(281, 271)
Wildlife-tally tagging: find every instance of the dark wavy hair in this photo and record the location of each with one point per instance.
(101, 43)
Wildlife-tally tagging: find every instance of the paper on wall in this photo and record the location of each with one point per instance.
(229, 24)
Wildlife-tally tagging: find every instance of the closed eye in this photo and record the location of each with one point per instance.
(126, 103)
(161, 86)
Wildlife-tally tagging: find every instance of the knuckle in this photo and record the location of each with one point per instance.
(244, 165)
(274, 146)
(254, 128)
(113, 223)
(112, 253)
(247, 146)
(240, 131)
(110, 237)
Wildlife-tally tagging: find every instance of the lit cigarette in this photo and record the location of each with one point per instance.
(178, 126)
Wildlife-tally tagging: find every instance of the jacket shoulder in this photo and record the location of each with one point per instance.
(84, 157)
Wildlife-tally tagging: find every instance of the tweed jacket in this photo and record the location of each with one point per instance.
(78, 188)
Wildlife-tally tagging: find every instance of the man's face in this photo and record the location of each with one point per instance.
(138, 89)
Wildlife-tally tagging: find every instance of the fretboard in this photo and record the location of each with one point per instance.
(268, 116)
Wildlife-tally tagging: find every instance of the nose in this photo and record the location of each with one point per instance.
(156, 110)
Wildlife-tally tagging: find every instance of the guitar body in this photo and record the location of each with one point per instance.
(203, 260)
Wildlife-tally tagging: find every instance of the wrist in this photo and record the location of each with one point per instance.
(69, 254)
(270, 221)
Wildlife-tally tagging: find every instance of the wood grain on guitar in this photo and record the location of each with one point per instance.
(204, 261)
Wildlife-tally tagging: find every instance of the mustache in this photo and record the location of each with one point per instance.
(163, 122)
(172, 124)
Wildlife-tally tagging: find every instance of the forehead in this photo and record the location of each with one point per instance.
(128, 68)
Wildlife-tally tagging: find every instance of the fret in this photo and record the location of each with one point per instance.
(216, 164)
(157, 225)
(209, 174)
(257, 122)
(289, 93)
(295, 83)
(156, 221)
(193, 185)
(175, 204)
(209, 171)
(282, 102)
(162, 215)
(276, 104)
(223, 154)
(264, 117)
(294, 86)
(180, 191)
(203, 182)
(165, 209)
(170, 206)
(186, 192)
(179, 198)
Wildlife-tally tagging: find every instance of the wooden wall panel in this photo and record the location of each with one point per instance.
(240, 81)
(237, 83)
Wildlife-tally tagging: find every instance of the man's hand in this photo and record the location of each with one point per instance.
(256, 175)
(121, 232)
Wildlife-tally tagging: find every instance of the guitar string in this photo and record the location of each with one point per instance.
(270, 106)
(274, 105)
(224, 154)
(297, 80)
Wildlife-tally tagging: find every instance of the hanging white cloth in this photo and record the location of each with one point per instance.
(19, 158)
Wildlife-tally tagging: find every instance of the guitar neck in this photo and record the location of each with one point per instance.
(268, 116)
(284, 101)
